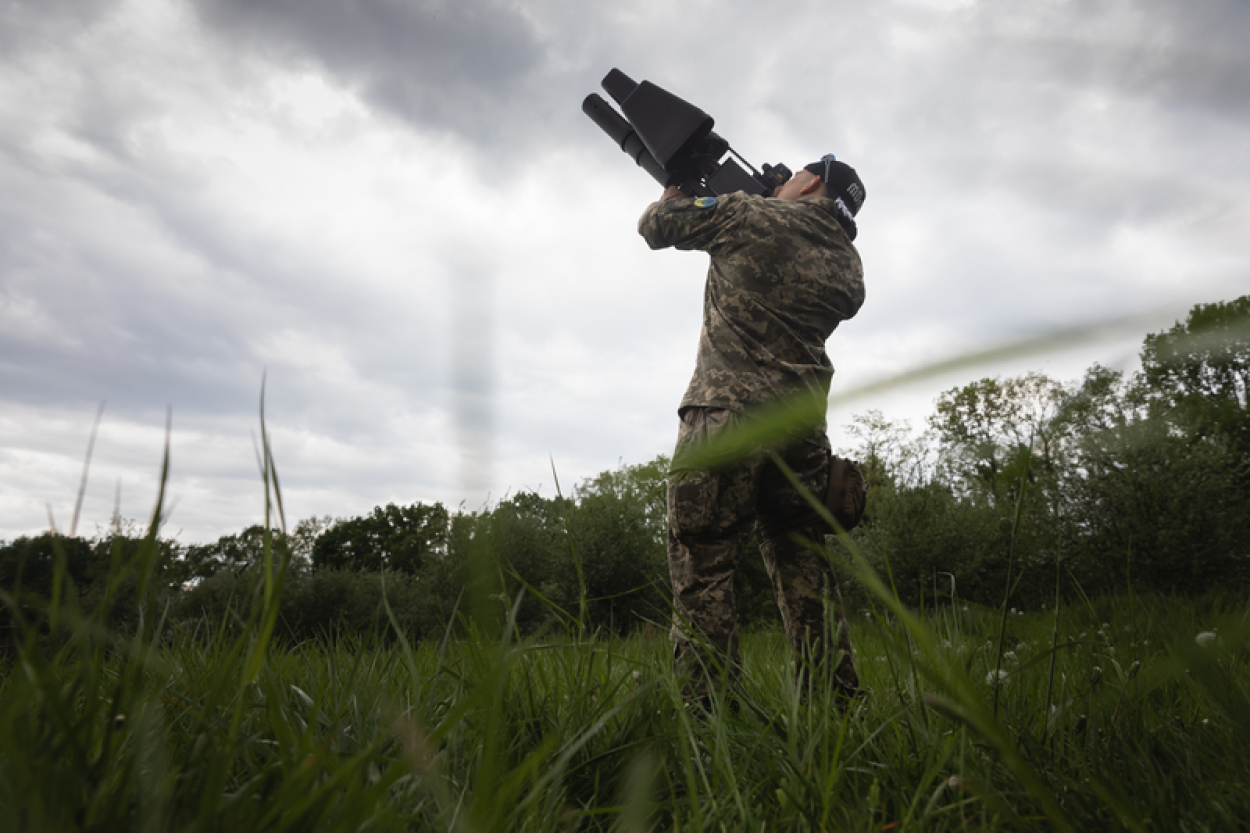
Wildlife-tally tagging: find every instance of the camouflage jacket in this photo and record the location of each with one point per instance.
(783, 275)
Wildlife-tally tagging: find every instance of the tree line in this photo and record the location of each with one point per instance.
(1026, 489)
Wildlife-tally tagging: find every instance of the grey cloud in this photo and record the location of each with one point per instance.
(36, 25)
(985, 106)
(102, 318)
(467, 68)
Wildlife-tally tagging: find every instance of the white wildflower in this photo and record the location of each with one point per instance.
(997, 677)
(1205, 639)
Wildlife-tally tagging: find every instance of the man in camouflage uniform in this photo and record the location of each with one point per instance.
(783, 274)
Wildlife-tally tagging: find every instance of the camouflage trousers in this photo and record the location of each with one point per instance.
(710, 514)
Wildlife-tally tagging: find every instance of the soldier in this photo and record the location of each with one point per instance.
(784, 273)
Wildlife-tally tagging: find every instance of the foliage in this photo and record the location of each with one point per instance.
(620, 528)
(1197, 374)
(327, 604)
(1026, 484)
(1107, 485)
(1137, 727)
(30, 566)
(392, 537)
(230, 553)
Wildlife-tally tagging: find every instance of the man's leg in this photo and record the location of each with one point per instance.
(811, 606)
(803, 581)
(708, 515)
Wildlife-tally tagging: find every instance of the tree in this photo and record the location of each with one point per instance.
(1197, 374)
(990, 428)
(27, 573)
(391, 537)
(1157, 495)
(229, 552)
(620, 527)
(304, 537)
(522, 543)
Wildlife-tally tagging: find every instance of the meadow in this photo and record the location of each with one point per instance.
(1120, 713)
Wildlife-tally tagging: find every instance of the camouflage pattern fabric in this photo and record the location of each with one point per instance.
(783, 274)
(710, 514)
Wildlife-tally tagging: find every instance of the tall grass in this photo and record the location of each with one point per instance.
(181, 727)
(590, 733)
(1106, 715)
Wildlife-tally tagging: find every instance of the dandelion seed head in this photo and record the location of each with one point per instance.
(996, 677)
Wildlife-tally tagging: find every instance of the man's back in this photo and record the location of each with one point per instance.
(783, 274)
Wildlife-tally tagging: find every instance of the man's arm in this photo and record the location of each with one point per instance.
(672, 192)
(678, 220)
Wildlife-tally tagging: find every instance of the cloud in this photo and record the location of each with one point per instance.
(399, 214)
(467, 68)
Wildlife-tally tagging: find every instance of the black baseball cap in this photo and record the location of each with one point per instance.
(842, 185)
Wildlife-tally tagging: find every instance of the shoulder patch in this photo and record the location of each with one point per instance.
(705, 202)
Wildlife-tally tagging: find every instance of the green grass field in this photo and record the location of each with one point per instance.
(1117, 713)
(1134, 725)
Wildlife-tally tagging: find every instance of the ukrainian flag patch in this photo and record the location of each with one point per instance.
(705, 202)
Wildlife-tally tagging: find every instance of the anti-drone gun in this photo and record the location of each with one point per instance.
(673, 141)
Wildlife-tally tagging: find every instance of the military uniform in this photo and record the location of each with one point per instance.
(783, 274)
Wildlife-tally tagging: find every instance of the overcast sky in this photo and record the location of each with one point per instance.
(395, 213)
